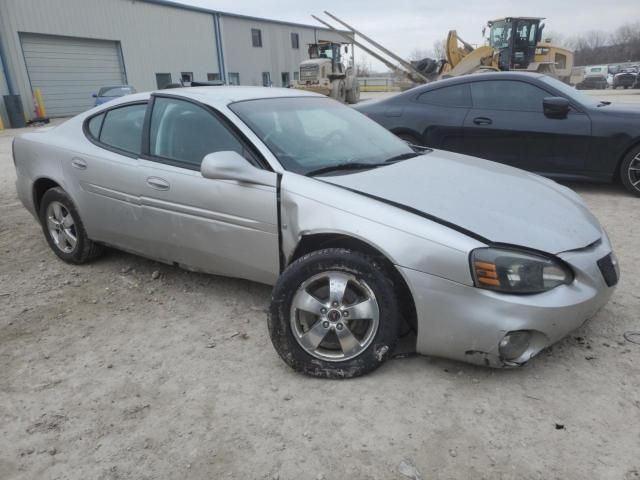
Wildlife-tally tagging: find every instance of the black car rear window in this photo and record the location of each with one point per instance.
(453, 96)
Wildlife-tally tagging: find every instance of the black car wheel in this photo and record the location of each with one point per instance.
(334, 314)
(630, 171)
(64, 229)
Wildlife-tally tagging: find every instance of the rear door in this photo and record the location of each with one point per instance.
(507, 124)
(439, 116)
(218, 226)
(106, 172)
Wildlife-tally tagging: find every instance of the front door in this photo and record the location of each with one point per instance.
(218, 226)
(507, 125)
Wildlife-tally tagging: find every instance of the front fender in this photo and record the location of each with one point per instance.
(310, 206)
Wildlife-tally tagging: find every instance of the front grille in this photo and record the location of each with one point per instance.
(608, 270)
(309, 72)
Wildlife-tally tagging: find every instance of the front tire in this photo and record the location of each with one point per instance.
(338, 90)
(63, 228)
(630, 171)
(334, 314)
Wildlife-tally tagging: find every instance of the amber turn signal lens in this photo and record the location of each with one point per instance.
(486, 273)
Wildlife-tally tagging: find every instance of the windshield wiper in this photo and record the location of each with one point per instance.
(344, 166)
(402, 156)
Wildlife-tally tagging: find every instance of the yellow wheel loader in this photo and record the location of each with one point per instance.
(514, 43)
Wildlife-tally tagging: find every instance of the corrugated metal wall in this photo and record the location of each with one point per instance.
(276, 55)
(4, 90)
(154, 38)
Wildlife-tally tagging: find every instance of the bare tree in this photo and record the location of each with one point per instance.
(420, 53)
(597, 48)
(440, 49)
(363, 66)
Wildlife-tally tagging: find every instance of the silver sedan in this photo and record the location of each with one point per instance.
(364, 237)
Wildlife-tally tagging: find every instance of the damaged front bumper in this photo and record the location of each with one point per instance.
(466, 323)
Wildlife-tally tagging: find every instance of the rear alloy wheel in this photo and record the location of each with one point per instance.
(630, 171)
(334, 314)
(63, 228)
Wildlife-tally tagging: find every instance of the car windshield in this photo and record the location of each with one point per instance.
(307, 134)
(571, 92)
(115, 91)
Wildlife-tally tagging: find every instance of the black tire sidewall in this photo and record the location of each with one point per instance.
(361, 267)
(83, 246)
(624, 171)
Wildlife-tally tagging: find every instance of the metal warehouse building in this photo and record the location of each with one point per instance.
(69, 48)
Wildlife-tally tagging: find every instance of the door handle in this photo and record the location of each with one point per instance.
(78, 163)
(158, 183)
(482, 121)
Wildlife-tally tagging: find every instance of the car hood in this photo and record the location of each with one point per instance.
(501, 204)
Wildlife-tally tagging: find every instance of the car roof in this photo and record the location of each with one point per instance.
(229, 94)
(474, 77)
(217, 96)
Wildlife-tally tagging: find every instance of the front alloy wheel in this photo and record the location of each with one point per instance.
(334, 314)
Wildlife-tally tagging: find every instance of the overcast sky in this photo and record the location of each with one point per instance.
(406, 25)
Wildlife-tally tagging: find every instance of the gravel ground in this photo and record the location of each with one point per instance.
(113, 371)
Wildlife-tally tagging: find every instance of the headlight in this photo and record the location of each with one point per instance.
(514, 271)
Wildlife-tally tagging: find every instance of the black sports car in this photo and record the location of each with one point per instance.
(526, 120)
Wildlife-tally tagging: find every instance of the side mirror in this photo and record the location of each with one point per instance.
(94, 95)
(556, 107)
(230, 165)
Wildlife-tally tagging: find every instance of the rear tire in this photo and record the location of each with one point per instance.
(630, 171)
(63, 228)
(307, 321)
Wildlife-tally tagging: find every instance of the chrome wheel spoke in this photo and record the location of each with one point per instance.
(337, 286)
(348, 342)
(363, 310)
(51, 223)
(67, 221)
(57, 211)
(311, 339)
(308, 303)
(69, 237)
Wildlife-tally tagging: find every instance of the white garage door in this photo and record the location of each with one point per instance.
(69, 70)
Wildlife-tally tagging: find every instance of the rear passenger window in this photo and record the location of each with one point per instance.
(95, 124)
(120, 128)
(453, 96)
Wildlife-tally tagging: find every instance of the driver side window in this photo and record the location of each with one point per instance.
(184, 133)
